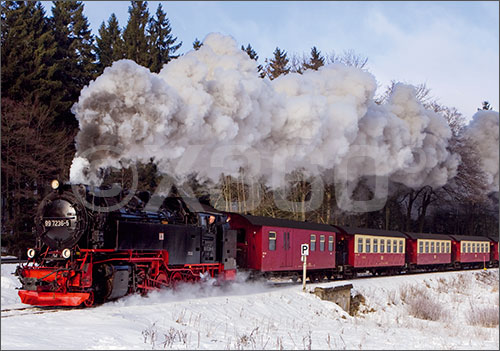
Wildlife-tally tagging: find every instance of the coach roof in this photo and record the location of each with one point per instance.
(428, 236)
(285, 223)
(367, 231)
(470, 238)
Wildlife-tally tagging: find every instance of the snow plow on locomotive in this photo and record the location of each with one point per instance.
(90, 249)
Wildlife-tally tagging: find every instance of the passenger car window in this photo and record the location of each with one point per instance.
(382, 245)
(432, 246)
(360, 245)
(426, 247)
(395, 246)
(421, 247)
(375, 245)
(330, 243)
(321, 243)
(447, 247)
(367, 245)
(401, 246)
(313, 242)
(389, 243)
(272, 241)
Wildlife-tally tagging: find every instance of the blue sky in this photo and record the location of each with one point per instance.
(452, 46)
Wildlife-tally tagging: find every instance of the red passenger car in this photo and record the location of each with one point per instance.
(470, 251)
(362, 249)
(271, 246)
(493, 251)
(429, 251)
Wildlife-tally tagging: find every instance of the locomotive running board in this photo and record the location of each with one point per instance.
(38, 298)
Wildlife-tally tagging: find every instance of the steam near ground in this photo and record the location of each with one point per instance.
(451, 310)
(208, 112)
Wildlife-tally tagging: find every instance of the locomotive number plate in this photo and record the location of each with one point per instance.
(57, 223)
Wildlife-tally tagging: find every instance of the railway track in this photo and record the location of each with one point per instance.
(31, 310)
(12, 260)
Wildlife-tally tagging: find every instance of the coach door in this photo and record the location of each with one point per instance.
(286, 249)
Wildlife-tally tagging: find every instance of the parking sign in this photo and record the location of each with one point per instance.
(304, 249)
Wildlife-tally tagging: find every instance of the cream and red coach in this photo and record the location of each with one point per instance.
(374, 250)
(430, 251)
(470, 251)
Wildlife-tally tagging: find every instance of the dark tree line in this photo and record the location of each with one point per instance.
(46, 61)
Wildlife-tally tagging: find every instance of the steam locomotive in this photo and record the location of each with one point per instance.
(97, 244)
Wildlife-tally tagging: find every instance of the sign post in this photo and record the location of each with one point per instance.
(304, 251)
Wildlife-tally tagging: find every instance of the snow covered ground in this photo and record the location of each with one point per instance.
(394, 313)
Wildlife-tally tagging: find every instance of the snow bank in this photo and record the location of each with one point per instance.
(254, 316)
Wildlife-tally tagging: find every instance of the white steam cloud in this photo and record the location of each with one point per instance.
(210, 106)
(483, 131)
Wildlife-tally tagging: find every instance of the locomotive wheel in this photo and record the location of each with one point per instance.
(175, 279)
(90, 301)
(161, 280)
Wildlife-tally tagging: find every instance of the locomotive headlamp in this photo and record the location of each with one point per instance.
(54, 184)
(66, 253)
(31, 253)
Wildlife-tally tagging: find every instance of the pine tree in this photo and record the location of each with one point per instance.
(250, 51)
(197, 44)
(278, 65)
(28, 49)
(75, 56)
(110, 45)
(253, 55)
(486, 106)
(316, 60)
(161, 41)
(135, 36)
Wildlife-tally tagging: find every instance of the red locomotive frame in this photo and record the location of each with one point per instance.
(74, 281)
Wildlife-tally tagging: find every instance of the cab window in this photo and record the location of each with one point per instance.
(313, 242)
(272, 241)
